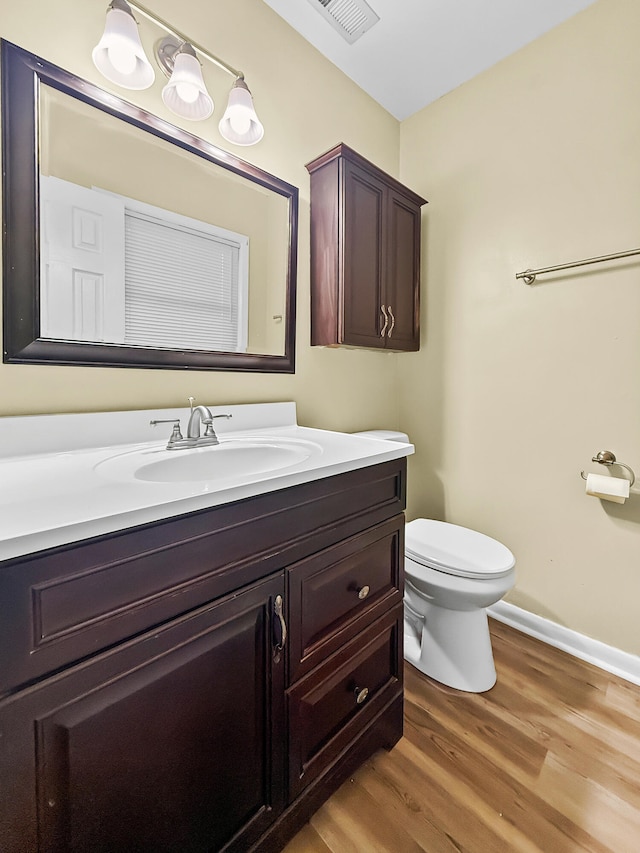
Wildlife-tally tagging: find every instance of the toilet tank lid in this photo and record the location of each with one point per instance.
(456, 550)
(387, 434)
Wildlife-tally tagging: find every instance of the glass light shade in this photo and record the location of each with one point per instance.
(185, 94)
(119, 55)
(240, 124)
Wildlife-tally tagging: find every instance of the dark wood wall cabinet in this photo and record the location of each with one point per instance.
(365, 255)
(206, 682)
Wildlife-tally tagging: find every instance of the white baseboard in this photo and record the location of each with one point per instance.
(610, 659)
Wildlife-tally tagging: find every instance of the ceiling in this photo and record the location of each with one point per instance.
(421, 49)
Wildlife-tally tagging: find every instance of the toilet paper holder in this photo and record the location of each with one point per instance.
(606, 457)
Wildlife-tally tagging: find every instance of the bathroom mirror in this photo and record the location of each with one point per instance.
(130, 242)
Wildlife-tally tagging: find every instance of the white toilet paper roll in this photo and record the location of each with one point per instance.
(608, 488)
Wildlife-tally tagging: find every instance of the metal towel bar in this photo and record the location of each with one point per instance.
(529, 276)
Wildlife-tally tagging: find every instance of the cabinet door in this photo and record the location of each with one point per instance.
(365, 254)
(362, 295)
(403, 272)
(171, 742)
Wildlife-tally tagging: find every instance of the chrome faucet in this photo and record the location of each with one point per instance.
(199, 415)
(202, 415)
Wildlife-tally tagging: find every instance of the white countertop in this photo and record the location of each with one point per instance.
(59, 482)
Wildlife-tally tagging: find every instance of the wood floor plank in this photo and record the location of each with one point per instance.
(410, 800)
(501, 739)
(624, 698)
(610, 819)
(460, 819)
(353, 817)
(548, 761)
(585, 712)
(483, 787)
(522, 743)
(308, 841)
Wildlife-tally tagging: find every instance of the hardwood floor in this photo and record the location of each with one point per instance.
(548, 760)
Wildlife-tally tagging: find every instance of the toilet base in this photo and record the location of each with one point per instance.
(451, 646)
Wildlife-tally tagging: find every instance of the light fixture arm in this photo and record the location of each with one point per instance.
(172, 30)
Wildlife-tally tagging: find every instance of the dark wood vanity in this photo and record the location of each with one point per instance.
(153, 698)
(365, 255)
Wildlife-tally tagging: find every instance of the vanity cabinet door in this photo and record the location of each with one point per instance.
(174, 741)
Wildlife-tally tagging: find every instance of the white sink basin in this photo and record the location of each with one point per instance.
(231, 459)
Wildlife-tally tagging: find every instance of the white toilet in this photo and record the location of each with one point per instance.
(452, 574)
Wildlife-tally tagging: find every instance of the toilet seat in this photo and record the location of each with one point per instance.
(455, 550)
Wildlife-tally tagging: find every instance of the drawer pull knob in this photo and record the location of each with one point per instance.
(363, 592)
(361, 695)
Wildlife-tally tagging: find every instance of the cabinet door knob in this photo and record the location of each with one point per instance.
(278, 610)
(361, 694)
(363, 592)
(386, 321)
(393, 321)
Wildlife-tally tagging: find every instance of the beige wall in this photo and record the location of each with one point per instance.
(307, 106)
(535, 162)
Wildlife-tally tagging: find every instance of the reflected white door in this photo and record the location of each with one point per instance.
(82, 263)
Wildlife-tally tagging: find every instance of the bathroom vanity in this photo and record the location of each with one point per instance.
(195, 665)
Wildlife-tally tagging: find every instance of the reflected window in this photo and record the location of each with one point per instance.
(116, 270)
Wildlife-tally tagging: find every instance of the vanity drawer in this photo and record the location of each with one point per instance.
(340, 590)
(328, 707)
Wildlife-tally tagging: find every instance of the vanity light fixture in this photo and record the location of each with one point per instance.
(240, 124)
(185, 94)
(120, 57)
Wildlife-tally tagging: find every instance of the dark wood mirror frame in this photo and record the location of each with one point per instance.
(22, 75)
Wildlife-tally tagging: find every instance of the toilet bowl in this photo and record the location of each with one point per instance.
(452, 574)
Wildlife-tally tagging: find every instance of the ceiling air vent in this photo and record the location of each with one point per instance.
(351, 18)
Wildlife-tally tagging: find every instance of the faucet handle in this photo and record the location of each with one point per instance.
(191, 402)
(176, 434)
(209, 424)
